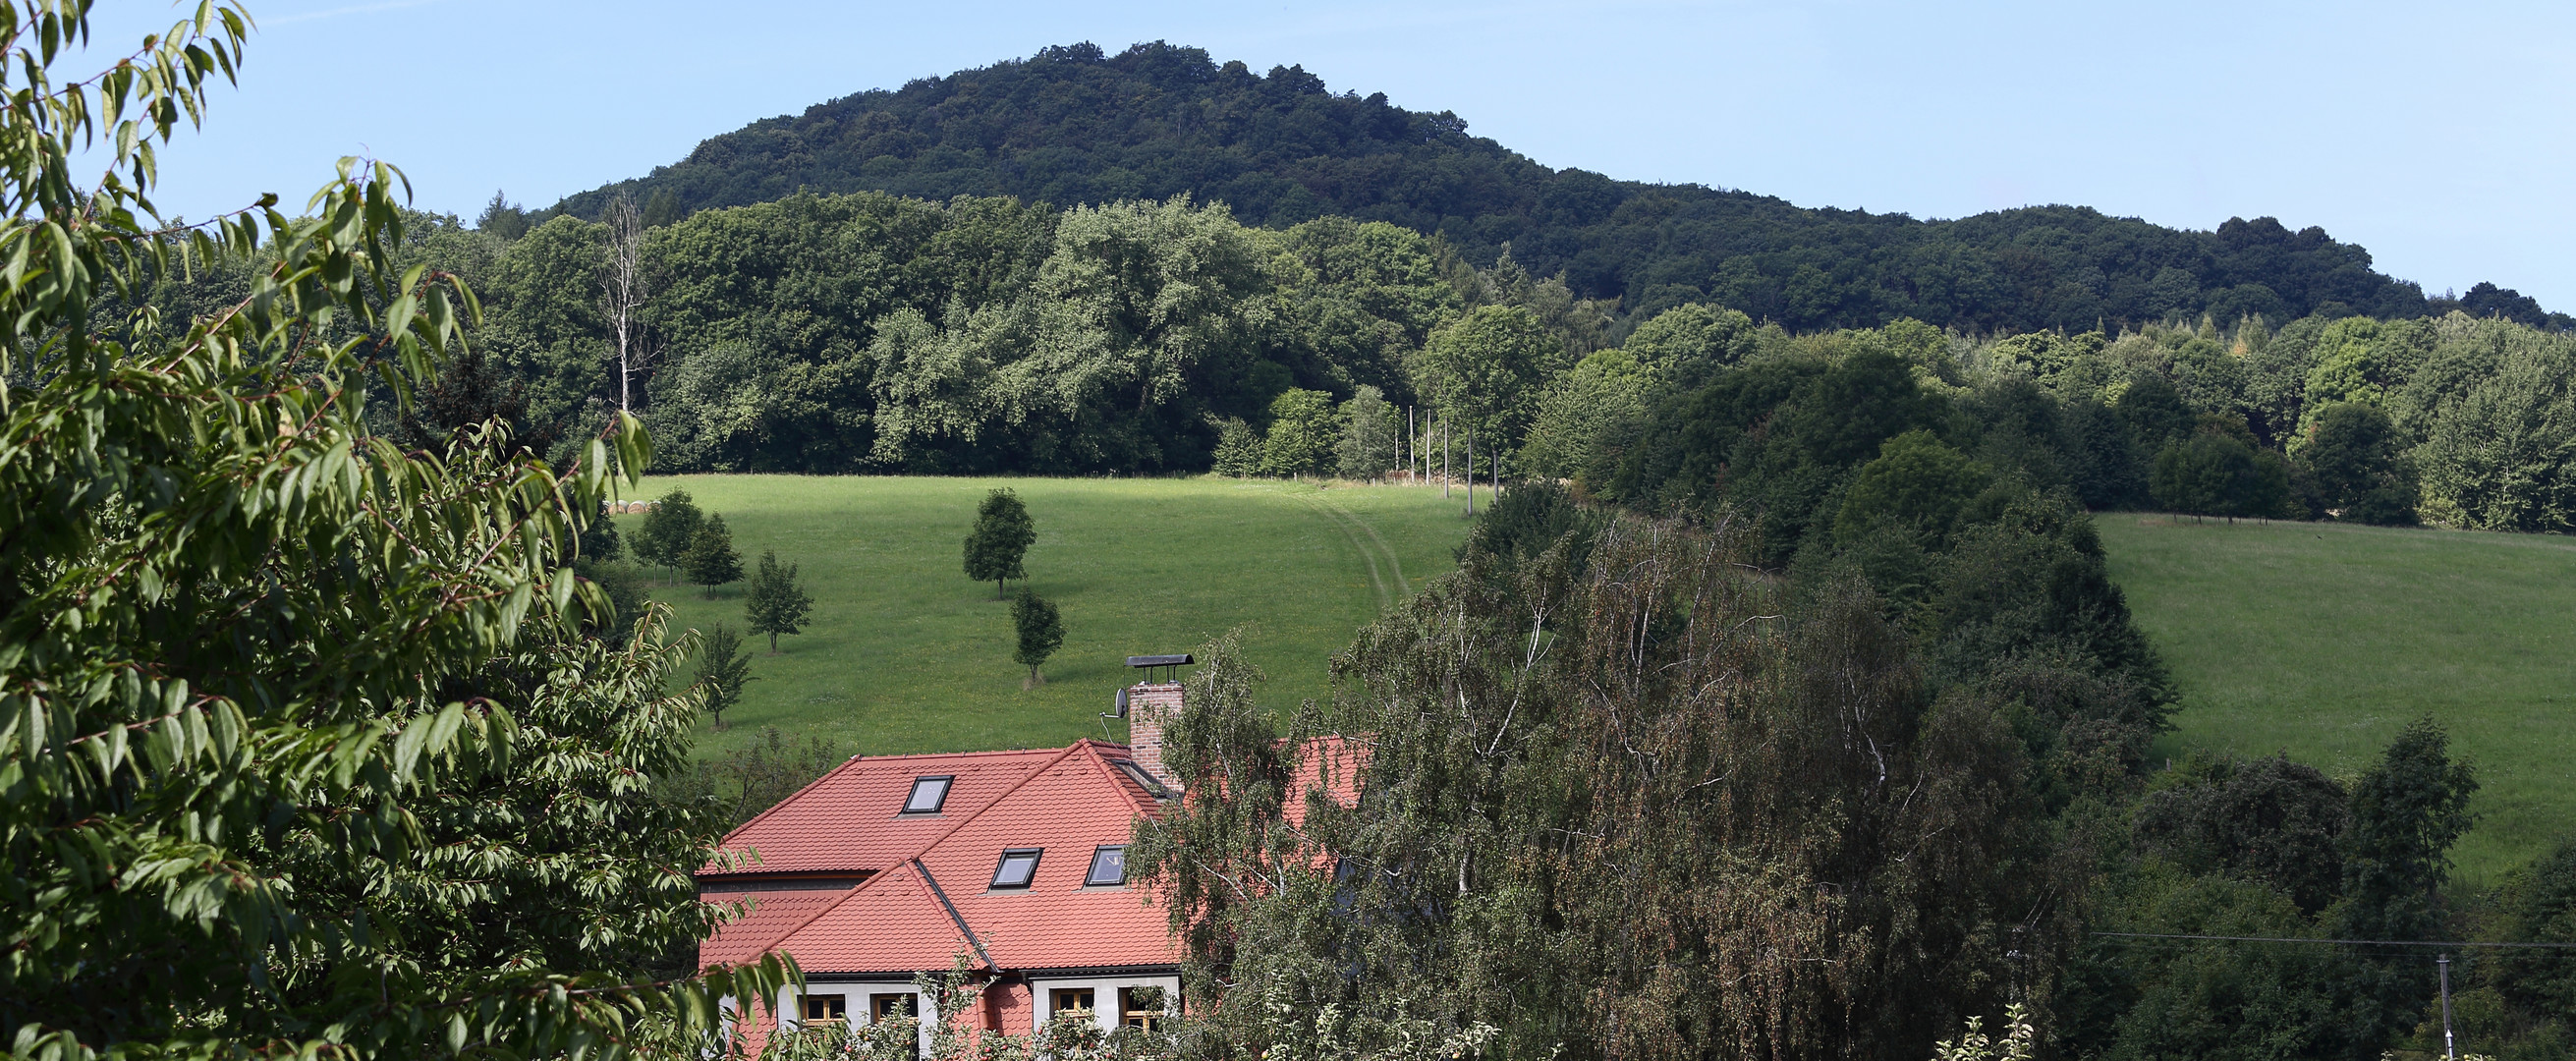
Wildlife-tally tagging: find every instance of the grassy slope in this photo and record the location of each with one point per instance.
(905, 655)
(2323, 640)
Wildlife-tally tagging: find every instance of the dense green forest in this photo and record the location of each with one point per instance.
(1073, 125)
(871, 333)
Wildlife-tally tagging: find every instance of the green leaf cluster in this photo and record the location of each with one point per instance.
(307, 746)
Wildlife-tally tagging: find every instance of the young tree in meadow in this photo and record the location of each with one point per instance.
(723, 669)
(711, 560)
(1303, 426)
(777, 602)
(1367, 446)
(1041, 631)
(668, 528)
(1001, 538)
(1238, 449)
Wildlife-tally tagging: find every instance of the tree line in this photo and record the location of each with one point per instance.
(868, 333)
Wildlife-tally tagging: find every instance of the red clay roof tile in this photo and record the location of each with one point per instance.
(1068, 802)
(850, 820)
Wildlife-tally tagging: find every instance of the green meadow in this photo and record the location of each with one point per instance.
(2322, 640)
(2319, 640)
(904, 654)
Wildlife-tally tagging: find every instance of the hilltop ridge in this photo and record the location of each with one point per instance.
(1073, 124)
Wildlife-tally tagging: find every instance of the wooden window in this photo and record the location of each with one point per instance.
(1068, 1000)
(1141, 1007)
(827, 1009)
(902, 1005)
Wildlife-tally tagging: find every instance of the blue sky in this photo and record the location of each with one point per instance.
(2437, 135)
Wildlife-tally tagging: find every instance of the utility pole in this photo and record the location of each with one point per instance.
(1471, 473)
(2449, 1050)
(1444, 454)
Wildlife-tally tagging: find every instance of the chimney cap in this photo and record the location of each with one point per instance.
(1181, 660)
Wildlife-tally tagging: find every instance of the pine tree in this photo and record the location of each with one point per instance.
(777, 603)
(723, 669)
(1003, 531)
(1041, 630)
(711, 560)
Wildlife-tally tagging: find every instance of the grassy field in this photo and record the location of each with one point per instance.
(2323, 640)
(905, 655)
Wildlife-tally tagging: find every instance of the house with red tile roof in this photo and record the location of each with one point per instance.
(1015, 861)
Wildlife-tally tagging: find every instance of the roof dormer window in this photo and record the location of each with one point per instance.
(1017, 868)
(927, 794)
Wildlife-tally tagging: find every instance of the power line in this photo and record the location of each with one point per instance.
(2360, 942)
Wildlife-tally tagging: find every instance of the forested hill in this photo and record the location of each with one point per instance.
(1074, 125)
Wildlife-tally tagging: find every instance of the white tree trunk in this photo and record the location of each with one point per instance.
(623, 293)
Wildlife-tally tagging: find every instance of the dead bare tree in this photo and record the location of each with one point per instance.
(623, 291)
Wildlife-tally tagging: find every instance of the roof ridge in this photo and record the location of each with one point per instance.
(1058, 753)
(791, 798)
(958, 919)
(996, 801)
(1117, 781)
(791, 930)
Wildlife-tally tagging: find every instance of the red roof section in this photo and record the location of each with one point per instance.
(895, 921)
(1067, 802)
(1068, 808)
(850, 820)
(773, 914)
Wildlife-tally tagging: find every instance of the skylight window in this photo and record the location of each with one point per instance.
(1108, 867)
(1016, 868)
(1142, 779)
(927, 794)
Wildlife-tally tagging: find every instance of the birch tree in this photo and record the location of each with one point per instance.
(623, 289)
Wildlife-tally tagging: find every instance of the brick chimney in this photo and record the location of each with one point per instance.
(1152, 707)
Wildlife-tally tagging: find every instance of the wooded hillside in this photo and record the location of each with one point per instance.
(1073, 125)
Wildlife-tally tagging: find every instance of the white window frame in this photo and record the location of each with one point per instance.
(1104, 997)
(791, 1003)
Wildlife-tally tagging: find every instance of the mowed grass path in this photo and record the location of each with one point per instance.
(2323, 640)
(905, 655)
